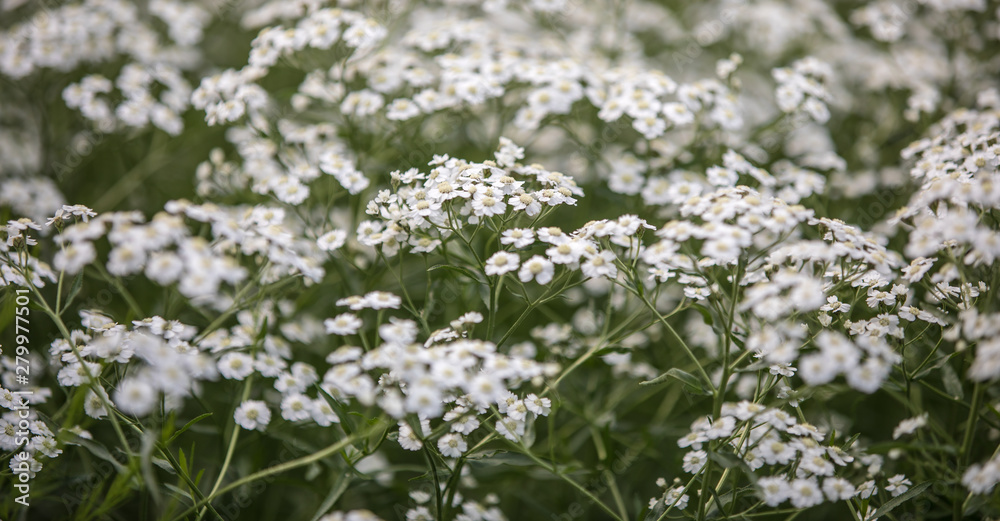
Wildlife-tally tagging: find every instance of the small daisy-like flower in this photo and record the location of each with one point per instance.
(834, 305)
(452, 445)
(694, 461)
(332, 240)
(489, 205)
(407, 438)
(252, 415)
(295, 407)
(539, 406)
(382, 300)
(501, 262)
(472, 317)
(676, 498)
(538, 268)
(805, 493)
(236, 366)
(908, 426)
(898, 485)
(343, 324)
(600, 265)
(838, 489)
(136, 396)
(518, 237)
(866, 489)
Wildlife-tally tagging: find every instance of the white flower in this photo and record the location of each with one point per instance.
(471, 317)
(485, 389)
(908, 426)
(774, 451)
(833, 305)
(510, 429)
(236, 366)
(72, 257)
(838, 489)
(398, 331)
(508, 152)
(295, 407)
(694, 461)
(502, 262)
(866, 489)
(538, 268)
(381, 300)
(343, 324)
(868, 376)
(332, 240)
(488, 205)
(600, 265)
(898, 485)
(650, 127)
(980, 479)
(135, 396)
(322, 413)
(452, 445)
(518, 237)
(402, 109)
(817, 369)
(676, 498)
(539, 406)
(252, 414)
(407, 438)
(774, 490)
(805, 493)
(93, 405)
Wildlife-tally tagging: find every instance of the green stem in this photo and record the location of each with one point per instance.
(230, 448)
(720, 395)
(277, 469)
(91, 379)
(677, 337)
(963, 452)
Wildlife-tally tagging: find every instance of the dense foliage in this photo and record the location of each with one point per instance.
(512, 259)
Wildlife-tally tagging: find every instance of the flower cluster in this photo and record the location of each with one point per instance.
(420, 253)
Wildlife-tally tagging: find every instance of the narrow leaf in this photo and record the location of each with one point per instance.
(890, 505)
(687, 378)
(187, 426)
(951, 382)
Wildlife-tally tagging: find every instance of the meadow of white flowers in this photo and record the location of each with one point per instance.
(505, 259)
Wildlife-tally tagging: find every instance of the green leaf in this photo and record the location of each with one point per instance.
(658, 509)
(939, 363)
(186, 427)
(726, 461)
(146, 462)
(485, 454)
(169, 424)
(464, 271)
(178, 492)
(890, 505)
(706, 315)
(339, 410)
(73, 291)
(163, 464)
(96, 449)
(338, 490)
(182, 461)
(612, 349)
(951, 382)
(696, 386)
(507, 458)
